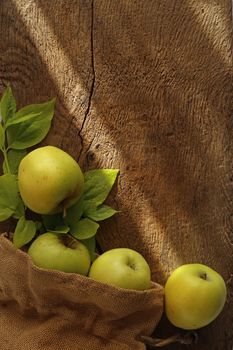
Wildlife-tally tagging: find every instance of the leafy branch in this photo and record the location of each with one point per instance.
(25, 128)
(82, 219)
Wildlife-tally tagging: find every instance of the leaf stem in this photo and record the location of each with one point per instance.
(4, 151)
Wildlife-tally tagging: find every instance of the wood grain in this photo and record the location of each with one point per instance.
(146, 87)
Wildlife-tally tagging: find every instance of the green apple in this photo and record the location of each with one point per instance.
(60, 252)
(50, 180)
(122, 267)
(194, 296)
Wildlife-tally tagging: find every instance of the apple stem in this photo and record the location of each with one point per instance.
(203, 276)
(186, 339)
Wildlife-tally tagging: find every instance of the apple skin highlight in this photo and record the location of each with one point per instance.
(194, 296)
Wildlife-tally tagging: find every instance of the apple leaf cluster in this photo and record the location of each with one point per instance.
(81, 220)
(10, 203)
(18, 130)
(24, 128)
(97, 186)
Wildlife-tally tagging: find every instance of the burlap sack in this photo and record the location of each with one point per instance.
(42, 309)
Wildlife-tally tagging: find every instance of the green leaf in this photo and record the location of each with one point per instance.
(60, 229)
(38, 225)
(7, 105)
(5, 213)
(52, 221)
(31, 129)
(9, 196)
(20, 118)
(74, 213)
(98, 184)
(28, 113)
(2, 136)
(100, 213)
(24, 232)
(14, 158)
(19, 211)
(84, 229)
(90, 243)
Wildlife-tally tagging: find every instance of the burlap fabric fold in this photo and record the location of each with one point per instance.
(50, 310)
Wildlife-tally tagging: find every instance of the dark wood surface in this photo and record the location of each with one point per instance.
(146, 87)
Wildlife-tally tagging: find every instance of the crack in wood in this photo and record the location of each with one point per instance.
(92, 84)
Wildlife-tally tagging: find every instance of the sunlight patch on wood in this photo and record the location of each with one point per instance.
(49, 47)
(214, 22)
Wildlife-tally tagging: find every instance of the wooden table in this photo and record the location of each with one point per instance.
(144, 86)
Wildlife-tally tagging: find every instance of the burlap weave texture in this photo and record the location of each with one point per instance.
(48, 310)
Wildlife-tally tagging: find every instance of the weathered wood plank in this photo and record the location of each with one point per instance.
(145, 87)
